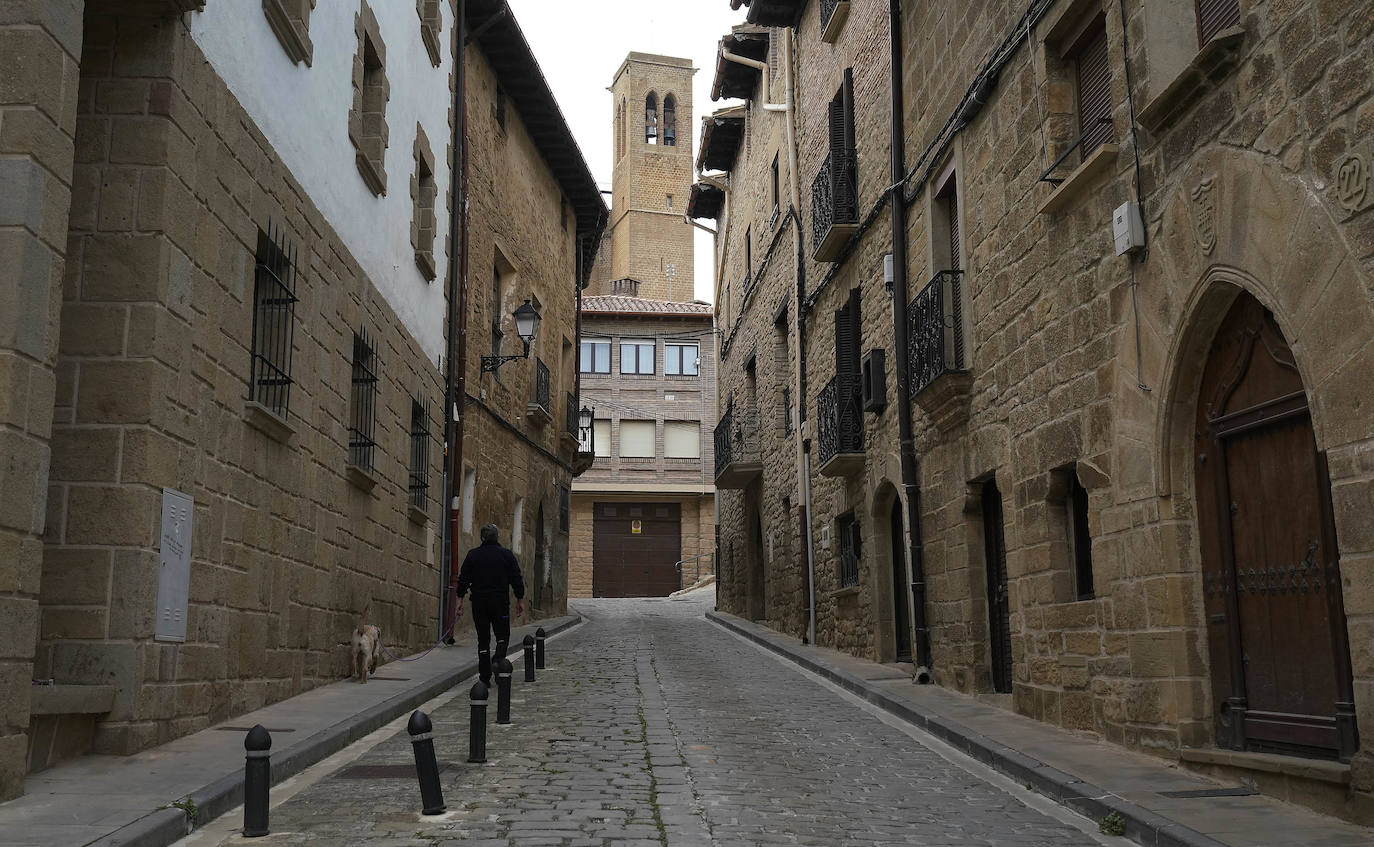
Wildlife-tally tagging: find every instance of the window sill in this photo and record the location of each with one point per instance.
(425, 262)
(538, 414)
(1077, 183)
(293, 35)
(431, 40)
(847, 591)
(1192, 82)
(417, 516)
(268, 422)
(375, 179)
(361, 478)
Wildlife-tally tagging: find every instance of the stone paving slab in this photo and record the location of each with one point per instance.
(1084, 773)
(125, 800)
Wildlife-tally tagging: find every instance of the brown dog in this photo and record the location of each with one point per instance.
(367, 650)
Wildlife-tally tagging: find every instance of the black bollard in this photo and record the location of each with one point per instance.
(426, 767)
(539, 648)
(503, 675)
(477, 732)
(529, 658)
(257, 779)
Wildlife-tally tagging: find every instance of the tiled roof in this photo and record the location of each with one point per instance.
(617, 305)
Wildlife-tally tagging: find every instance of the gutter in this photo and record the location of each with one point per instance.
(911, 484)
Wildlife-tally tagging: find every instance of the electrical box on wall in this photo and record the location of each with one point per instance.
(1127, 228)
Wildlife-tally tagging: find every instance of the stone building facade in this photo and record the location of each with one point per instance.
(647, 503)
(1143, 475)
(224, 347)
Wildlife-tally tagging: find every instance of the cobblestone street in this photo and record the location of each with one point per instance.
(653, 726)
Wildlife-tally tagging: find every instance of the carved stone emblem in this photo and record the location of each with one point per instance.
(1205, 215)
(1352, 183)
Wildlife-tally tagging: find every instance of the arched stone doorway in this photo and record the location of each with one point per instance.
(1280, 659)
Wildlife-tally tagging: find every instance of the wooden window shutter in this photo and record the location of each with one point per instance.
(1094, 87)
(847, 101)
(955, 259)
(856, 331)
(848, 333)
(1215, 15)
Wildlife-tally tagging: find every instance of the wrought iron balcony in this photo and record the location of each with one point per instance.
(834, 206)
(738, 461)
(935, 348)
(833, 15)
(840, 426)
(538, 407)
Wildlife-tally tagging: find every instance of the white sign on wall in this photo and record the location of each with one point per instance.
(174, 567)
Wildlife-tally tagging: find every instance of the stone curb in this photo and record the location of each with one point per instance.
(165, 826)
(1142, 826)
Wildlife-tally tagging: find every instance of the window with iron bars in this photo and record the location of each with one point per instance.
(274, 323)
(419, 453)
(851, 549)
(362, 430)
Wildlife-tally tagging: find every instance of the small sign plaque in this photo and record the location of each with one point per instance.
(174, 566)
(636, 528)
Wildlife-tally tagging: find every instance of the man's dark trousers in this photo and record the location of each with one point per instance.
(490, 612)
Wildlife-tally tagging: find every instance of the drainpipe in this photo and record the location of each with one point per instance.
(759, 66)
(458, 319)
(803, 459)
(910, 472)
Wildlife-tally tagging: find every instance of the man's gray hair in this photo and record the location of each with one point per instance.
(490, 533)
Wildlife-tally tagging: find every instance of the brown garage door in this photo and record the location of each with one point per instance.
(635, 549)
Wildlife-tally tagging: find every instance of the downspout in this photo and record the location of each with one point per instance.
(910, 472)
(458, 319)
(763, 67)
(803, 458)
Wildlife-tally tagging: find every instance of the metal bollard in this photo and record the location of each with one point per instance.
(539, 648)
(503, 675)
(477, 733)
(529, 658)
(257, 779)
(426, 767)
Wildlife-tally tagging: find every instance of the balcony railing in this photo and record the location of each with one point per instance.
(935, 333)
(834, 205)
(737, 455)
(570, 415)
(840, 425)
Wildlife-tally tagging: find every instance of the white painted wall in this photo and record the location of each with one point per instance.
(303, 111)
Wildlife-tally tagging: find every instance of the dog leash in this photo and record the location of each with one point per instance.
(395, 658)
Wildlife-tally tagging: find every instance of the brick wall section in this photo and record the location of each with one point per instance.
(647, 237)
(40, 44)
(173, 182)
(1052, 332)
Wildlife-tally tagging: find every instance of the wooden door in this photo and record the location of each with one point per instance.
(1271, 574)
(901, 620)
(635, 549)
(999, 607)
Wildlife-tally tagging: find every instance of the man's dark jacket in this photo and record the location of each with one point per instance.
(487, 570)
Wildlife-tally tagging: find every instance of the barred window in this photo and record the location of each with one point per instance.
(362, 430)
(274, 323)
(419, 453)
(851, 549)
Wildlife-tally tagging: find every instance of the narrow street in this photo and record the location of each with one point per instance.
(655, 726)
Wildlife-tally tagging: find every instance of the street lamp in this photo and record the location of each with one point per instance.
(527, 327)
(584, 424)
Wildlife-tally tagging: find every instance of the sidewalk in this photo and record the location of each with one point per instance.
(125, 800)
(1091, 777)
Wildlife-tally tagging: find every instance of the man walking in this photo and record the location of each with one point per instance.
(491, 572)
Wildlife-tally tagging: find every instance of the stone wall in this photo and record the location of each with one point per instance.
(40, 46)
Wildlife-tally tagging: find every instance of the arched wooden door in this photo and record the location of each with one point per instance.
(1271, 573)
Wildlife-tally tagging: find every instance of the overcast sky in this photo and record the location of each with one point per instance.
(580, 45)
